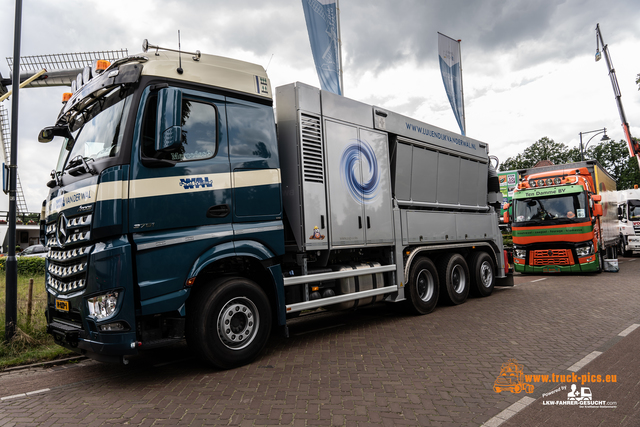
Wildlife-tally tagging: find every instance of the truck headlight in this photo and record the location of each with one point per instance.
(520, 253)
(583, 251)
(103, 306)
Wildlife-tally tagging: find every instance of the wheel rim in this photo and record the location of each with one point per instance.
(486, 274)
(458, 279)
(425, 285)
(238, 323)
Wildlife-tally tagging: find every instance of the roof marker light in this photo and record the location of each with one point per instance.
(101, 65)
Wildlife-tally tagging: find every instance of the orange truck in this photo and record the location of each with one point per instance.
(564, 219)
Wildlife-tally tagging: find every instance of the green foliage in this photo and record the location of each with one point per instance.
(542, 149)
(614, 158)
(27, 266)
(31, 343)
(507, 239)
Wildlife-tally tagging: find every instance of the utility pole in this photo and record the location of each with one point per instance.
(11, 264)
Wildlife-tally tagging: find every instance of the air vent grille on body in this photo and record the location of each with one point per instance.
(312, 153)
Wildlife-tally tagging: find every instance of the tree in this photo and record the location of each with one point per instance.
(542, 149)
(614, 158)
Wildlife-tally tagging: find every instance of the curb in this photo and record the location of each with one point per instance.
(43, 364)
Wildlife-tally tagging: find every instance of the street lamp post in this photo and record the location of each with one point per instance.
(583, 148)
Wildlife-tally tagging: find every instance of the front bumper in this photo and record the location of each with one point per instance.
(106, 347)
(585, 267)
(633, 243)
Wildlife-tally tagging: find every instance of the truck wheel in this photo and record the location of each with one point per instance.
(454, 278)
(483, 276)
(423, 286)
(229, 322)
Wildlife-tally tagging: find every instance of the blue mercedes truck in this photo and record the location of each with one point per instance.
(183, 205)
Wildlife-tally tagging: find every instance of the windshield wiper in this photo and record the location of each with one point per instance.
(78, 166)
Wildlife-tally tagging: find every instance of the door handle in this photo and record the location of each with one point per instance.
(218, 211)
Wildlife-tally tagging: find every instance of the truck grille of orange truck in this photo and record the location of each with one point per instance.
(551, 257)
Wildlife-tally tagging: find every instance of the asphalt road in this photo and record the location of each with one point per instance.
(378, 366)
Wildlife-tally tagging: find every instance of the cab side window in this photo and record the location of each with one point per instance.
(199, 131)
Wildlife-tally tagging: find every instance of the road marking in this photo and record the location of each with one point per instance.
(588, 358)
(630, 260)
(537, 280)
(526, 401)
(30, 393)
(628, 330)
(509, 412)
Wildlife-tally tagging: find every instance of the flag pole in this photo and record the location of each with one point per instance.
(339, 46)
(464, 115)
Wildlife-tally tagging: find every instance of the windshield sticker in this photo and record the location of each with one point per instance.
(520, 218)
(580, 213)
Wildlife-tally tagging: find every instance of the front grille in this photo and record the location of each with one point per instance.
(551, 257)
(69, 251)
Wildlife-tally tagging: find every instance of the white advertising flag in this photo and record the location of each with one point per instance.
(324, 35)
(451, 69)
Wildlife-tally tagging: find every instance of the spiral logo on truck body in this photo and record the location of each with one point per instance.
(359, 155)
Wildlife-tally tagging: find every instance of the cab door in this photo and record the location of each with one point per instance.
(180, 199)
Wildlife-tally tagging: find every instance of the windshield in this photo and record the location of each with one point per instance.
(570, 206)
(98, 133)
(634, 210)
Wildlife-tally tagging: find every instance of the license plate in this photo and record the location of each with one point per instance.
(62, 305)
(551, 270)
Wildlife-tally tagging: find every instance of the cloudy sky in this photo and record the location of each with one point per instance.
(528, 66)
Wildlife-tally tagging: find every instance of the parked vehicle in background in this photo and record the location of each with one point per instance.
(564, 219)
(629, 220)
(508, 182)
(34, 250)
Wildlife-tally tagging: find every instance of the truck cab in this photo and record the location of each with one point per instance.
(629, 220)
(157, 165)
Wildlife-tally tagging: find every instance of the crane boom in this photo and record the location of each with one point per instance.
(634, 147)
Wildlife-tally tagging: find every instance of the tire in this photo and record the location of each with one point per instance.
(483, 274)
(229, 322)
(424, 287)
(454, 278)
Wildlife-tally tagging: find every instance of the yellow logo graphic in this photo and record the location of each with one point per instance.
(511, 378)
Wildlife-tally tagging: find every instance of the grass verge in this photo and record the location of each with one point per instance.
(31, 343)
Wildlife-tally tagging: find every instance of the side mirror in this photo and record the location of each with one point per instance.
(169, 119)
(505, 217)
(47, 134)
(596, 197)
(597, 209)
